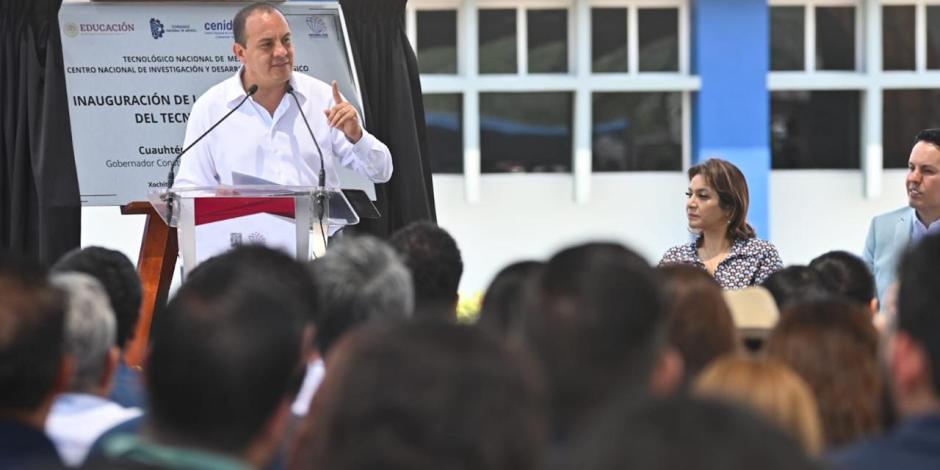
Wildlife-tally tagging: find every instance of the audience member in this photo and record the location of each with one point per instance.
(425, 395)
(890, 234)
(596, 322)
(913, 351)
(846, 275)
(433, 258)
(504, 300)
(684, 434)
(699, 324)
(794, 285)
(82, 414)
(833, 346)
(771, 389)
(359, 280)
(120, 280)
(33, 367)
(755, 313)
(725, 244)
(224, 365)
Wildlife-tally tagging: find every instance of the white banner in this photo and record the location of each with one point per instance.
(133, 71)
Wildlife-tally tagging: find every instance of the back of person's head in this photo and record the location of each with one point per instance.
(118, 276)
(771, 389)
(793, 285)
(846, 275)
(918, 301)
(32, 320)
(596, 323)
(89, 331)
(227, 354)
(433, 258)
(503, 303)
(833, 346)
(684, 434)
(425, 395)
(699, 324)
(360, 279)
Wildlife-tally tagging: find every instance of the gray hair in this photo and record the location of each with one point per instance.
(90, 327)
(360, 279)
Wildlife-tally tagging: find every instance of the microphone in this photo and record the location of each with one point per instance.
(321, 196)
(321, 178)
(172, 176)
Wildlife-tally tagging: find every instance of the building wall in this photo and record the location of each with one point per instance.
(534, 216)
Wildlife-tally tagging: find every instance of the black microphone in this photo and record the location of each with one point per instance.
(322, 176)
(172, 176)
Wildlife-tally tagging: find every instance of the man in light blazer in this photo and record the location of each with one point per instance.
(890, 234)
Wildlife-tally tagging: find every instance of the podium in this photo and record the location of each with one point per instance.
(211, 220)
(185, 220)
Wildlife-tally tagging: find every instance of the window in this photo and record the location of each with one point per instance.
(497, 41)
(897, 33)
(548, 41)
(524, 90)
(637, 132)
(815, 129)
(933, 37)
(525, 132)
(437, 41)
(443, 115)
(831, 45)
(835, 38)
(609, 40)
(787, 38)
(817, 83)
(907, 112)
(659, 39)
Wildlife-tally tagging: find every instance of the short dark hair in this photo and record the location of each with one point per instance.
(120, 280)
(795, 284)
(360, 280)
(729, 183)
(501, 310)
(425, 395)
(596, 322)
(238, 23)
(918, 299)
(433, 258)
(931, 136)
(846, 275)
(684, 433)
(228, 349)
(32, 328)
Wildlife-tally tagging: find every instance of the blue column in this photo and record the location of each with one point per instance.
(731, 117)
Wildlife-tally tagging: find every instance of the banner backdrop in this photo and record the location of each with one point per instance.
(134, 70)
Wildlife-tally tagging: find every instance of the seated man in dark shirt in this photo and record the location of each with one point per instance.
(33, 369)
(914, 372)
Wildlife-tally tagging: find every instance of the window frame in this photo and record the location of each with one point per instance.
(580, 81)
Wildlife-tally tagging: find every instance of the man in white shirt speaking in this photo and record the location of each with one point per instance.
(267, 137)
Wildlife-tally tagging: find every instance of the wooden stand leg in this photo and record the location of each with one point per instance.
(155, 264)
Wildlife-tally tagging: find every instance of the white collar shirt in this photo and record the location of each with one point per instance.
(277, 148)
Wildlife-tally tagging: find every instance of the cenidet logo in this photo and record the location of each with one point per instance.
(156, 28)
(317, 27)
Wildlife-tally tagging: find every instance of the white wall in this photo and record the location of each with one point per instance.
(532, 216)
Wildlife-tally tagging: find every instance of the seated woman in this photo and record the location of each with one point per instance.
(726, 246)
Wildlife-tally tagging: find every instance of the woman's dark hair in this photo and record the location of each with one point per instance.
(845, 274)
(504, 301)
(699, 323)
(833, 345)
(731, 187)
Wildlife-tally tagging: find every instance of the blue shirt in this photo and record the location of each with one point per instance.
(919, 230)
(914, 445)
